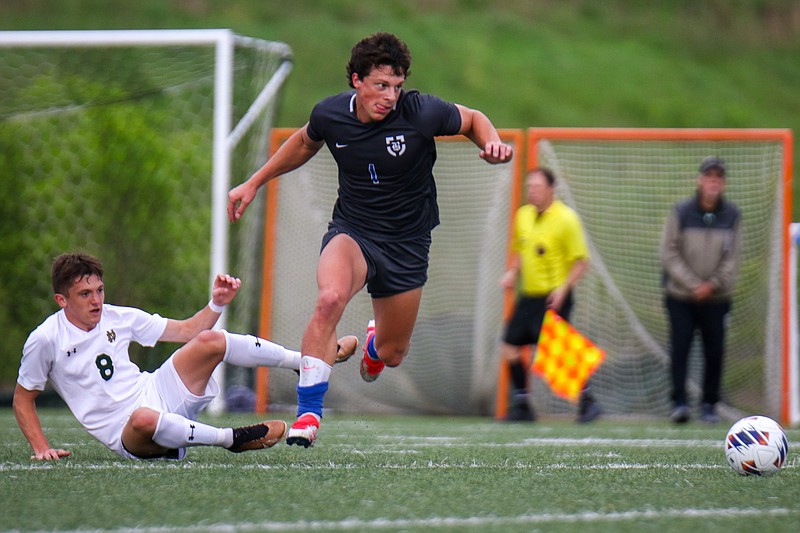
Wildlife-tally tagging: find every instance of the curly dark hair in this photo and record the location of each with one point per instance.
(378, 50)
(70, 267)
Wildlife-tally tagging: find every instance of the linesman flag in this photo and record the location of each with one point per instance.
(565, 359)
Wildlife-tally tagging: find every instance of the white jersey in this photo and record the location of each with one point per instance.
(91, 370)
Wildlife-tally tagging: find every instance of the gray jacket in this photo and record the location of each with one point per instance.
(700, 246)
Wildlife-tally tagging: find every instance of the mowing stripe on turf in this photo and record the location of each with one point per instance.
(455, 521)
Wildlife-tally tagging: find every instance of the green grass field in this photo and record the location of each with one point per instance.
(404, 473)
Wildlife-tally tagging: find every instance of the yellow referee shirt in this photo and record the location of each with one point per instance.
(548, 245)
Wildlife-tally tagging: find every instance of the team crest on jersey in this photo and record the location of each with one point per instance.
(112, 335)
(396, 145)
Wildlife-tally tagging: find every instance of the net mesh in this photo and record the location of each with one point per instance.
(623, 191)
(452, 363)
(108, 150)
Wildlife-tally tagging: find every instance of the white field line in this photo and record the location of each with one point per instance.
(421, 465)
(554, 441)
(352, 524)
(412, 445)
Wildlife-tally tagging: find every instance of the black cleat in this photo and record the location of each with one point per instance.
(680, 415)
(520, 412)
(258, 436)
(588, 409)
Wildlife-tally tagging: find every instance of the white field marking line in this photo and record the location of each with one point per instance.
(73, 464)
(350, 524)
(643, 443)
(331, 466)
(553, 441)
(515, 465)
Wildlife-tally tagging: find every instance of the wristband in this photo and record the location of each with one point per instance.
(216, 308)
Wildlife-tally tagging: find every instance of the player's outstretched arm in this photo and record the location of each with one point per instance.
(295, 152)
(31, 426)
(479, 129)
(222, 293)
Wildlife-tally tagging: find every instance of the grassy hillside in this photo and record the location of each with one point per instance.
(673, 63)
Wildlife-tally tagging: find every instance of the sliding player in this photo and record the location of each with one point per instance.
(83, 351)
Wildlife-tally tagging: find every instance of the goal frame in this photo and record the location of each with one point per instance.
(789, 410)
(279, 136)
(226, 135)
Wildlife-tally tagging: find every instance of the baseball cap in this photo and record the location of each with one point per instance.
(712, 162)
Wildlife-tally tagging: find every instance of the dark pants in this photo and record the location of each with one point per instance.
(685, 318)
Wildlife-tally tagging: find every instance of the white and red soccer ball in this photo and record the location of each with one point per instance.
(756, 446)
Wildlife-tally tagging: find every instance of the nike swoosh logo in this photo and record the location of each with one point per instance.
(340, 145)
(308, 368)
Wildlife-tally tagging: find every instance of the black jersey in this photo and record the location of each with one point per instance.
(386, 185)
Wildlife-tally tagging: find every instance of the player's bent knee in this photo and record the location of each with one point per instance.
(393, 356)
(331, 303)
(213, 339)
(143, 420)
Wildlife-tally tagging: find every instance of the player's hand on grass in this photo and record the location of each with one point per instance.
(50, 454)
(497, 152)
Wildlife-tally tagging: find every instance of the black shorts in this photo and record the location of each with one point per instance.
(392, 266)
(526, 323)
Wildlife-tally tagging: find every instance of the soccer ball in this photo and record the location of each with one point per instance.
(756, 446)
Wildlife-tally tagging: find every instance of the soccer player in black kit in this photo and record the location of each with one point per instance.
(382, 138)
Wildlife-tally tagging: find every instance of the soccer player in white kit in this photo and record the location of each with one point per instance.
(83, 351)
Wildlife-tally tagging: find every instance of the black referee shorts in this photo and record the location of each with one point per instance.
(526, 323)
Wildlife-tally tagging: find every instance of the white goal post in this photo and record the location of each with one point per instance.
(225, 138)
(792, 414)
(227, 135)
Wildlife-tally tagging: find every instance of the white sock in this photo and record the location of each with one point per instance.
(313, 370)
(176, 431)
(251, 351)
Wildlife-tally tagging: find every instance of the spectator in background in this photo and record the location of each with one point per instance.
(549, 257)
(700, 252)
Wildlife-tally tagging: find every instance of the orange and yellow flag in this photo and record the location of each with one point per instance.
(565, 359)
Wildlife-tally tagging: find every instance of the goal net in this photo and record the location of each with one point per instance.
(122, 144)
(452, 363)
(623, 184)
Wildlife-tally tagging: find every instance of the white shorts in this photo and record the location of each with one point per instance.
(162, 390)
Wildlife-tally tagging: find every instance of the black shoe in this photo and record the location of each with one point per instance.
(588, 410)
(680, 415)
(520, 412)
(708, 414)
(258, 436)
